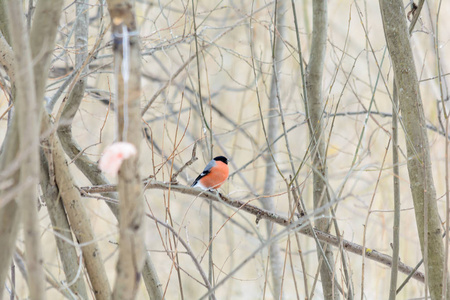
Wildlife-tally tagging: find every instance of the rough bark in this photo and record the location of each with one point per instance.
(315, 109)
(27, 113)
(418, 150)
(131, 210)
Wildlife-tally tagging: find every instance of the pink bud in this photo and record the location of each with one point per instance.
(114, 155)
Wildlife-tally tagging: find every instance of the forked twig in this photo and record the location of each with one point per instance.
(173, 178)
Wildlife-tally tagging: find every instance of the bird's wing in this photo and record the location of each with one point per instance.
(209, 166)
(205, 172)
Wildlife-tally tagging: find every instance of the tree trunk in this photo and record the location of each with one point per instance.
(27, 114)
(44, 28)
(419, 162)
(275, 255)
(127, 62)
(315, 110)
(9, 209)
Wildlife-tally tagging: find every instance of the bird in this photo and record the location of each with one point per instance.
(214, 174)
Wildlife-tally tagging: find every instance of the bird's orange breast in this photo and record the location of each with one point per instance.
(216, 177)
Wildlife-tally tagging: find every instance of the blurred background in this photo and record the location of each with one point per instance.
(214, 91)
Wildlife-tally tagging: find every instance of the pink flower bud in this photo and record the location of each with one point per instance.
(114, 155)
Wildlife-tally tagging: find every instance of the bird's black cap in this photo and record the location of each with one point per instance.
(222, 159)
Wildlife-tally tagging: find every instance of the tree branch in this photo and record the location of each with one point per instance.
(63, 234)
(260, 213)
(78, 218)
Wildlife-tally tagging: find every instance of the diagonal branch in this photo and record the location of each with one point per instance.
(260, 213)
(78, 218)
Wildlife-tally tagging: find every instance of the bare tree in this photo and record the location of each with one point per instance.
(307, 208)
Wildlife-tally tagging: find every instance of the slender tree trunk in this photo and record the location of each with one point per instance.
(27, 113)
(315, 109)
(42, 40)
(131, 211)
(275, 255)
(9, 210)
(44, 29)
(396, 190)
(418, 150)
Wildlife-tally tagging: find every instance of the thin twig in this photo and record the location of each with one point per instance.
(174, 176)
(416, 15)
(397, 207)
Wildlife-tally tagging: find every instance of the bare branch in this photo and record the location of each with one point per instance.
(260, 213)
(63, 233)
(79, 219)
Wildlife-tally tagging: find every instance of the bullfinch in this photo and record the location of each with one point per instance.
(214, 174)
